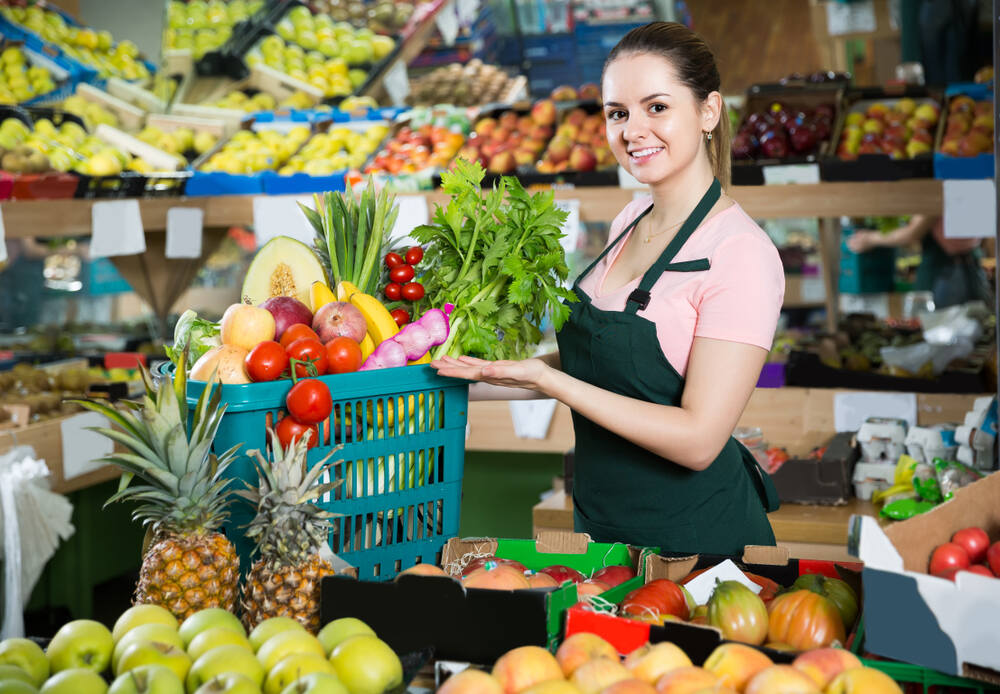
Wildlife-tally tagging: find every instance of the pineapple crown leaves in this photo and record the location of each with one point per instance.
(288, 527)
(184, 483)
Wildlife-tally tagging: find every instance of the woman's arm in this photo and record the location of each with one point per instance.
(914, 230)
(488, 391)
(720, 378)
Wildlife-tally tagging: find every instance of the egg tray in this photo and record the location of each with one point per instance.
(878, 167)
(750, 172)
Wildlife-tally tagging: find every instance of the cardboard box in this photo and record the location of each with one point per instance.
(476, 625)
(911, 616)
(699, 641)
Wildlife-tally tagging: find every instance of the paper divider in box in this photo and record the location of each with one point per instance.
(135, 94)
(157, 157)
(168, 122)
(130, 116)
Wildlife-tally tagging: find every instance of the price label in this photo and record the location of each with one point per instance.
(116, 229)
(571, 227)
(813, 289)
(81, 447)
(397, 83)
(857, 17)
(281, 216)
(467, 11)
(413, 212)
(447, 24)
(791, 173)
(970, 209)
(3, 241)
(627, 180)
(184, 232)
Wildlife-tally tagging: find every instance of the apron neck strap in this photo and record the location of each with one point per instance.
(639, 298)
(613, 244)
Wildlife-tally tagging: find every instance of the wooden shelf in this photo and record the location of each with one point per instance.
(60, 218)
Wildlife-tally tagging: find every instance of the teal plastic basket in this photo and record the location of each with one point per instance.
(402, 438)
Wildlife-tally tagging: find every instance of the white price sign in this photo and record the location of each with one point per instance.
(791, 173)
(184, 232)
(281, 216)
(397, 83)
(447, 24)
(116, 229)
(970, 209)
(571, 227)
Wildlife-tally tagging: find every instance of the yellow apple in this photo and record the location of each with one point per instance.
(286, 643)
(292, 667)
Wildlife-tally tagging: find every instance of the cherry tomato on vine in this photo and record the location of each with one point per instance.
(413, 291)
(393, 260)
(288, 431)
(343, 355)
(392, 291)
(414, 255)
(309, 401)
(296, 331)
(266, 362)
(401, 273)
(306, 349)
(401, 316)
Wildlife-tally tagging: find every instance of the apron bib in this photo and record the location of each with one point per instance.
(621, 491)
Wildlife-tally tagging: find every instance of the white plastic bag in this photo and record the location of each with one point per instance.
(913, 357)
(34, 520)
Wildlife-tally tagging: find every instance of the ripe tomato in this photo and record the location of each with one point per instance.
(948, 556)
(980, 569)
(295, 332)
(308, 349)
(974, 540)
(309, 401)
(993, 558)
(414, 255)
(393, 291)
(343, 355)
(288, 431)
(266, 362)
(393, 260)
(401, 274)
(401, 316)
(413, 291)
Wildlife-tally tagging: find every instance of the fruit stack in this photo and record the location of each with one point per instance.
(199, 26)
(970, 550)
(585, 92)
(579, 145)
(782, 129)
(92, 113)
(969, 128)
(337, 149)
(503, 140)
(95, 49)
(429, 140)
(383, 16)
(902, 129)
(587, 664)
(21, 79)
(182, 140)
(211, 651)
(472, 84)
(252, 151)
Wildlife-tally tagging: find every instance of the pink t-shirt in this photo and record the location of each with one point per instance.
(737, 299)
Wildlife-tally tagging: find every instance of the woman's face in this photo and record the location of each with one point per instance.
(655, 125)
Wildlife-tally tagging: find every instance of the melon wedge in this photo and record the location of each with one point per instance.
(282, 267)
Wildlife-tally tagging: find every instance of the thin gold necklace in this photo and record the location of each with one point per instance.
(664, 231)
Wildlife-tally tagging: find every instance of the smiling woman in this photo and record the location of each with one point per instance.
(673, 323)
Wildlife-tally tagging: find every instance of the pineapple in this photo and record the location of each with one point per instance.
(183, 499)
(290, 534)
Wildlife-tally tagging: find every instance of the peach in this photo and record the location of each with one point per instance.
(735, 664)
(685, 680)
(502, 163)
(485, 127)
(632, 686)
(570, 131)
(470, 682)
(541, 132)
(581, 158)
(823, 664)
(536, 146)
(581, 648)
(544, 112)
(595, 675)
(590, 91)
(501, 134)
(559, 149)
(564, 93)
(537, 580)
(576, 117)
(591, 587)
(781, 679)
(591, 123)
(523, 667)
(424, 570)
(552, 687)
(652, 661)
(863, 680)
(508, 120)
(525, 124)
(502, 577)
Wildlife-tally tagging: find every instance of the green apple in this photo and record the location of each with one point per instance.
(155, 653)
(27, 655)
(270, 627)
(316, 683)
(225, 659)
(229, 683)
(341, 629)
(366, 665)
(160, 633)
(138, 615)
(292, 667)
(286, 643)
(82, 643)
(206, 619)
(13, 672)
(16, 687)
(213, 638)
(147, 679)
(78, 680)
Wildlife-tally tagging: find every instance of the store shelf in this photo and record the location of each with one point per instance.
(60, 218)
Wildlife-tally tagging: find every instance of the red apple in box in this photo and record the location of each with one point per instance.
(508, 120)
(563, 573)
(490, 149)
(614, 575)
(591, 123)
(485, 126)
(564, 93)
(568, 130)
(479, 562)
(502, 163)
(576, 117)
(590, 91)
(525, 124)
(950, 147)
(544, 112)
(581, 158)
(541, 132)
(524, 157)
(972, 144)
(287, 311)
(591, 587)
(536, 146)
(559, 149)
(500, 134)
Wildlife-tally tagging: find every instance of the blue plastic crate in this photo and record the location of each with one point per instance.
(401, 496)
(872, 272)
(204, 183)
(550, 47)
(277, 184)
(979, 166)
(600, 38)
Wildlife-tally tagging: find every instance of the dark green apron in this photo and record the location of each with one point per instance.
(953, 279)
(625, 493)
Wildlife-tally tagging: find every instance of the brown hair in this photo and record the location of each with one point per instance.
(695, 65)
